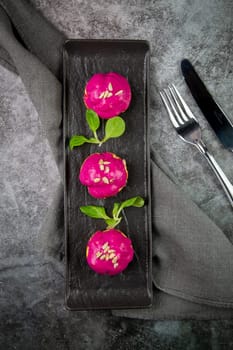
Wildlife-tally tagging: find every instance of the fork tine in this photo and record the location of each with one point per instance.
(183, 103)
(166, 104)
(182, 114)
(173, 107)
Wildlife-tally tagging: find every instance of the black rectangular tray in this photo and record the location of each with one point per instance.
(84, 288)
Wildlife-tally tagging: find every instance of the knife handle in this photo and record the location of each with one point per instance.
(224, 181)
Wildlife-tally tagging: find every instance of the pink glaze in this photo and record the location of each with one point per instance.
(107, 94)
(104, 174)
(109, 252)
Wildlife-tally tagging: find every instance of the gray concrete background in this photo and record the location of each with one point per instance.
(31, 303)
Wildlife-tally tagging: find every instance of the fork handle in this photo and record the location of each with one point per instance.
(226, 184)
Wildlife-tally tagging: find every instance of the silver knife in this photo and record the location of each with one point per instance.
(218, 120)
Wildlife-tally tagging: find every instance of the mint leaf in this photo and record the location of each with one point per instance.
(77, 140)
(98, 212)
(115, 209)
(111, 223)
(114, 127)
(92, 140)
(93, 120)
(95, 212)
(132, 202)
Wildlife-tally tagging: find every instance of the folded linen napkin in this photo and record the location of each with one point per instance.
(192, 257)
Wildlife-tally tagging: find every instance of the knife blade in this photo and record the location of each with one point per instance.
(214, 114)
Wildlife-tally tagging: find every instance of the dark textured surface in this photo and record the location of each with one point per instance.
(132, 288)
(31, 302)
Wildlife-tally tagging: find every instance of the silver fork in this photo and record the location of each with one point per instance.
(189, 131)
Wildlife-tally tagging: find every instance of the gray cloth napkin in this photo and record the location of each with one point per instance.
(192, 257)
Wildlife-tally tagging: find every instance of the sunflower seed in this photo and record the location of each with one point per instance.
(114, 260)
(120, 92)
(102, 94)
(105, 245)
(105, 180)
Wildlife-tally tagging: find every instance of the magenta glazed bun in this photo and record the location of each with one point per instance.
(109, 252)
(107, 94)
(104, 174)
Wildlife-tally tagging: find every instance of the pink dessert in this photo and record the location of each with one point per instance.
(104, 174)
(107, 94)
(109, 252)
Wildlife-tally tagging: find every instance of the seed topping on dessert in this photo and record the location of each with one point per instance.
(108, 254)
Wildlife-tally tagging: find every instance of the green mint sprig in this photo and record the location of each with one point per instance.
(97, 212)
(114, 127)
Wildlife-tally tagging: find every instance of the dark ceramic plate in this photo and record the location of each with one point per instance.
(84, 288)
